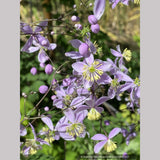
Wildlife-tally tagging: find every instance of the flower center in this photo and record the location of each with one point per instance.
(110, 146)
(76, 129)
(49, 138)
(137, 1)
(93, 114)
(114, 83)
(137, 82)
(127, 55)
(92, 73)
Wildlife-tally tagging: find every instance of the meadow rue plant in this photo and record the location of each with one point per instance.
(81, 97)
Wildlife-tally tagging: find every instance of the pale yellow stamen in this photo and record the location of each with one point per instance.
(127, 55)
(75, 129)
(91, 73)
(110, 146)
(93, 114)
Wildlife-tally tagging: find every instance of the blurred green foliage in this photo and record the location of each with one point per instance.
(118, 26)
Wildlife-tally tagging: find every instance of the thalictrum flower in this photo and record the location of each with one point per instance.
(31, 146)
(74, 126)
(35, 35)
(106, 142)
(85, 49)
(93, 105)
(67, 97)
(92, 71)
(126, 54)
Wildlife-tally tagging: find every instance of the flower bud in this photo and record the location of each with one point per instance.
(83, 49)
(53, 97)
(48, 69)
(78, 26)
(75, 19)
(95, 28)
(42, 65)
(43, 89)
(54, 81)
(125, 155)
(134, 134)
(33, 71)
(46, 108)
(90, 4)
(107, 123)
(92, 19)
(52, 33)
(74, 6)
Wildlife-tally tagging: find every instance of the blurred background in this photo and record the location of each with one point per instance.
(119, 26)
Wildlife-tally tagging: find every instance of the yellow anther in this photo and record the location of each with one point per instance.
(110, 146)
(93, 114)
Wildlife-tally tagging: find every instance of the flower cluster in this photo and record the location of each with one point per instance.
(76, 97)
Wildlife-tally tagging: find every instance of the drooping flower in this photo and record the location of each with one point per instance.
(132, 86)
(126, 54)
(106, 142)
(93, 105)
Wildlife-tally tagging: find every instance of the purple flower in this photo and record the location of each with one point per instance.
(33, 70)
(92, 71)
(31, 145)
(43, 89)
(132, 86)
(35, 35)
(92, 104)
(126, 54)
(95, 28)
(49, 69)
(73, 126)
(106, 142)
(66, 98)
(85, 51)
